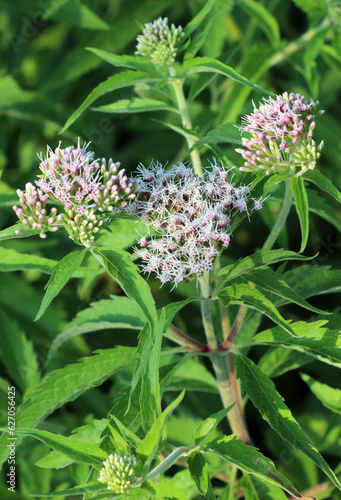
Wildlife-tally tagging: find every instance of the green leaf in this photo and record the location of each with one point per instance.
(279, 360)
(207, 64)
(118, 312)
(93, 487)
(311, 338)
(149, 446)
(199, 18)
(10, 232)
(329, 396)
(79, 451)
(120, 267)
(262, 392)
(226, 132)
(210, 423)
(310, 280)
(273, 282)
(136, 105)
(61, 274)
(245, 295)
(248, 459)
(115, 82)
(134, 62)
(18, 354)
(319, 206)
(190, 374)
(323, 183)
(258, 260)
(267, 22)
(66, 384)
(163, 489)
(302, 207)
(200, 474)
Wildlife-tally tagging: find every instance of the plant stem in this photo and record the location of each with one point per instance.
(182, 451)
(206, 312)
(282, 217)
(177, 84)
(183, 339)
(231, 482)
(223, 370)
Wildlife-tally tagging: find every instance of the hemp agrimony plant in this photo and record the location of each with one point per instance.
(185, 214)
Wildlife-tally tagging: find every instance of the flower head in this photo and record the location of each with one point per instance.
(82, 188)
(119, 472)
(159, 41)
(191, 216)
(280, 131)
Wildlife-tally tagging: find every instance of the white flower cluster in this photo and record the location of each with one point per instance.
(119, 472)
(191, 215)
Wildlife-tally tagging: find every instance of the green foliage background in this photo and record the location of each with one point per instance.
(46, 73)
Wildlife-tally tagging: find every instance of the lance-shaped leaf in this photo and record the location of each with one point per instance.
(329, 396)
(61, 274)
(263, 394)
(133, 62)
(210, 65)
(10, 232)
(199, 470)
(136, 105)
(119, 312)
(163, 489)
(246, 295)
(273, 282)
(149, 446)
(199, 18)
(114, 82)
(248, 459)
(79, 451)
(210, 423)
(119, 265)
(267, 22)
(257, 260)
(93, 487)
(323, 183)
(311, 338)
(66, 384)
(302, 207)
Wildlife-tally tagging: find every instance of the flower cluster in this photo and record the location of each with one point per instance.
(281, 134)
(119, 472)
(191, 216)
(82, 187)
(159, 41)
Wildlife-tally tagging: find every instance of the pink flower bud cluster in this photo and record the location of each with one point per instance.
(278, 128)
(191, 216)
(82, 187)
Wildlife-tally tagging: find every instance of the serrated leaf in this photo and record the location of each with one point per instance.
(78, 451)
(262, 392)
(119, 312)
(10, 232)
(208, 64)
(149, 446)
(198, 468)
(302, 207)
(163, 489)
(319, 206)
(273, 282)
(310, 280)
(258, 260)
(330, 397)
(267, 22)
(210, 423)
(61, 274)
(279, 360)
(119, 265)
(114, 82)
(311, 338)
(66, 384)
(323, 183)
(18, 354)
(242, 294)
(248, 459)
(134, 62)
(136, 105)
(199, 18)
(93, 487)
